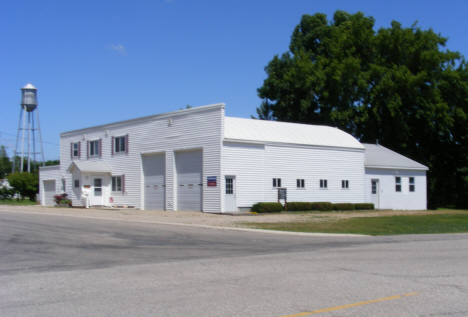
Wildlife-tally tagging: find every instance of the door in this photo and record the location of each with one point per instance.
(189, 169)
(230, 202)
(96, 198)
(154, 168)
(375, 193)
(49, 192)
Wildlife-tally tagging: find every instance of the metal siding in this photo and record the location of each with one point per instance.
(191, 128)
(189, 173)
(154, 181)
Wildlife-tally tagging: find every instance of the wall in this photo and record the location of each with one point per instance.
(181, 130)
(50, 173)
(389, 198)
(255, 165)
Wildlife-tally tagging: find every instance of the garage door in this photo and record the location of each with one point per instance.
(189, 169)
(154, 181)
(49, 192)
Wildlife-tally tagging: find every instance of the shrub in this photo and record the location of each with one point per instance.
(299, 206)
(60, 197)
(343, 206)
(26, 184)
(322, 206)
(6, 193)
(267, 207)
(365, 206)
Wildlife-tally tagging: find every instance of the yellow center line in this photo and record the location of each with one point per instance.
(350, 305)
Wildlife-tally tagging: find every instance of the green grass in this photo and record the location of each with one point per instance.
(423, 224)
(15, 202)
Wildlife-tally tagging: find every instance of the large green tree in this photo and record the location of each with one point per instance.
(5, 163)
(26, 184)
(396, 85)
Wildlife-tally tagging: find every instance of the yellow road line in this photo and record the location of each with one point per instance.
(350, 305)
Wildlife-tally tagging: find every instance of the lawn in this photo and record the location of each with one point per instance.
(446, 222)
(15, 202)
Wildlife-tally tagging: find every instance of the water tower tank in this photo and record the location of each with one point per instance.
(29, 97)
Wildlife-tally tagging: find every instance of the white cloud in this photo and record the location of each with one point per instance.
(119, 48)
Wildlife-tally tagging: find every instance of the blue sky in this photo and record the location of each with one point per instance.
(96, 62)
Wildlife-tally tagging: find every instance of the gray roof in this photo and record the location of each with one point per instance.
(380, 157)
(90, 167)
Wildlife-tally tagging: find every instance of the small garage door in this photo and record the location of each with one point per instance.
(154, 181)
(189, 169)
(49, 193)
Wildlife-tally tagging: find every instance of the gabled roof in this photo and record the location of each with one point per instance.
(380, 157)
(90, 167)
(264, 131)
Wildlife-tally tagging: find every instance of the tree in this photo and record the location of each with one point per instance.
(5, 164)
(26, 184)
(396, 85)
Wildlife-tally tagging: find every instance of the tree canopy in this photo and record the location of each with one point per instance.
(398, 85)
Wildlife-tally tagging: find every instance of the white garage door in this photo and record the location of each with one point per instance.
(49, 192)
(189, 169)
(154, 181)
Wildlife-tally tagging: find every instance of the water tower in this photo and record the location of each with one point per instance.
(27, 129)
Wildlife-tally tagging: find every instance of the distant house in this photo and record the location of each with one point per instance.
(198, 159)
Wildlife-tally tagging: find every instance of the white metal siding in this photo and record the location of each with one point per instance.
(389, 197)
(154, 181)
(49, 192)
(188, 129)
(189, 169)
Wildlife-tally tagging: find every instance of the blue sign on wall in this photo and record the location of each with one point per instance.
(211, 179)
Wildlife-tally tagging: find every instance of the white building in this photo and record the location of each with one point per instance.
(198, 159)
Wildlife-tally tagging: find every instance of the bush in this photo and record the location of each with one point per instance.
(267, 207)
(322, 206)
(61, 198)
(6, 193)
(343, 206)
(26, 184)
(365, 206)
(299, 206)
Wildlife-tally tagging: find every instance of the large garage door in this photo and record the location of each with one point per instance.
(49, 192)
(189, 169)
(154, 181)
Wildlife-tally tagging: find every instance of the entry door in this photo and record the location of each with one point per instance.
(375, 193)
(96, 192)
(230, 202)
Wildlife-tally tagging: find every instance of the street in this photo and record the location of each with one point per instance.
(69, 266)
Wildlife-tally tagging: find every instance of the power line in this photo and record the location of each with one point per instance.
(42, 141)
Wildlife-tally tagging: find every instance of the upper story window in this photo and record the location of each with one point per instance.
(411, 184)
(276, 182)
(300, 183)
(345, 184)
(120, 144)
(398, 184)
(75, 149)
(94, 148)
(323, 183)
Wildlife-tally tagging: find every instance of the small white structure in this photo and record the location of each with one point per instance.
(198, 159)
(394, 181)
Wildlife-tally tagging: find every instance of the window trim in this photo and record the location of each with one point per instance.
(76, 183)
(398, 184)
(97, 148)
(78, 150)
(123, 142)
(411, 184)
(116, 190)
(323, 184)
(344, 184)
(300, 183)
(276, 182)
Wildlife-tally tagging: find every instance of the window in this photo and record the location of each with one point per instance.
(323, 183)
(411, 184)
(300, 183)
(120, 144)
(94, 148)
(116, 183)
(229, 186)
(276, 182)
(345, 184)
(75, 150)
(97, 187)
(398, 184)
(374, 187)
(77, 183)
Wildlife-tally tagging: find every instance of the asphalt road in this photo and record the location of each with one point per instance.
(62, 266)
